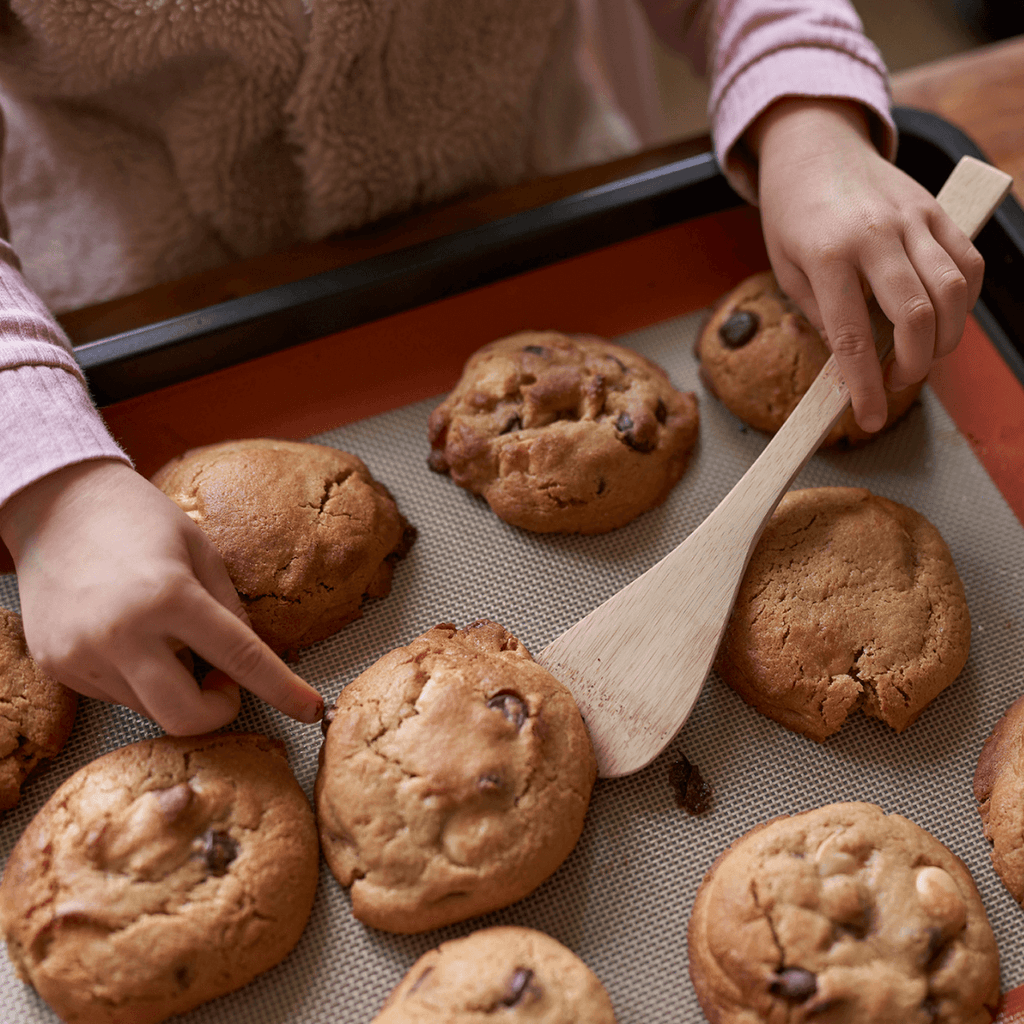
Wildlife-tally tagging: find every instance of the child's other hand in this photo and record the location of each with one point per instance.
(836, 215)
(114, 578)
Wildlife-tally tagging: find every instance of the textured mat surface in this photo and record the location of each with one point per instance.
(622, 900)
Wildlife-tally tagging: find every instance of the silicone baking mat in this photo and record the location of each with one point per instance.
(622, 899)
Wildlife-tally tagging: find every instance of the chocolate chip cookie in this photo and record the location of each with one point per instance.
(759, 354)
(564, 434)
(305, 531)
(999, 790)
(843, 913)
(36, 712)
(850, 601)
(454, 778)
(511, 974)
(161, 875)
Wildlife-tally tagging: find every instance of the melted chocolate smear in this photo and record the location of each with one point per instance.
(511, 706)
(536, 350)
(517, 986)
(739, 329)
(693, 794)
(218, 849)
(419, 981)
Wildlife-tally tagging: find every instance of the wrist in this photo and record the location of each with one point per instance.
(31, 508)
(793, 119)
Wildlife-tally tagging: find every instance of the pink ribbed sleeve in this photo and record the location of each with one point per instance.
(758, 51)
(47, 420)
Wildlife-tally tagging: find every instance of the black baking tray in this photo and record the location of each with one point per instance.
(134, 362)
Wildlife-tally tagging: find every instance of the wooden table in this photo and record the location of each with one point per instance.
(982, 93)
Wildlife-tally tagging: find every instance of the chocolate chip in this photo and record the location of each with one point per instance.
(535, 350)
(794, 984)
(661, 411)
(515, 423)
(601, 486)
(518, 986)
(511, 706)
(739, 329)
(183, 977)
(693, 794)
(625, 426)
(218, 849)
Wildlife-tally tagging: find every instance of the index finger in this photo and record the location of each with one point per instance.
(847, 330)
(227, 643)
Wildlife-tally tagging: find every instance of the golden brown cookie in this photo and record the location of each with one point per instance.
(36, 712)
(850, 601)
(999, 790)
(305, 531)
(564, 434)
(758, 355)
(508, 974)
(454, 778)
(842, 913)
(161, 875)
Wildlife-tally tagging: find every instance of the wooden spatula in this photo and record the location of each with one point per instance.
(636, 664)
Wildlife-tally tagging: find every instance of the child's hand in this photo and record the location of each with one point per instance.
(114, 578)
(836, 216)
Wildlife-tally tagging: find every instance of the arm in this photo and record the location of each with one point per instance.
(113, 576)
(801, 124)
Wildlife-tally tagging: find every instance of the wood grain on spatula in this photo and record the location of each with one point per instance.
(636, 664)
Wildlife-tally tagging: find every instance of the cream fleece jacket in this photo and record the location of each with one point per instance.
(148, 139)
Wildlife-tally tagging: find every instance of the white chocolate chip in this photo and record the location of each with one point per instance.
(831, 860)
(840, 898)
(940, 896)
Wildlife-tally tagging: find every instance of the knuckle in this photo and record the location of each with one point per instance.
(973, 266)
(953, 287)
(918, 314)
(848, 341)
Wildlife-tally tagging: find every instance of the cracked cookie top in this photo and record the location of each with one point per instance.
(454, 778)
(516, 974)
(36, 712)
(850, 601)
(759, 354)
(564, 434)
(161, 875)
(305, 531)
(999, 790)
(842, 913)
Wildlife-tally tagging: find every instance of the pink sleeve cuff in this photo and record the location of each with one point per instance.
(817, 73)
(47, 422)
(47, 419)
